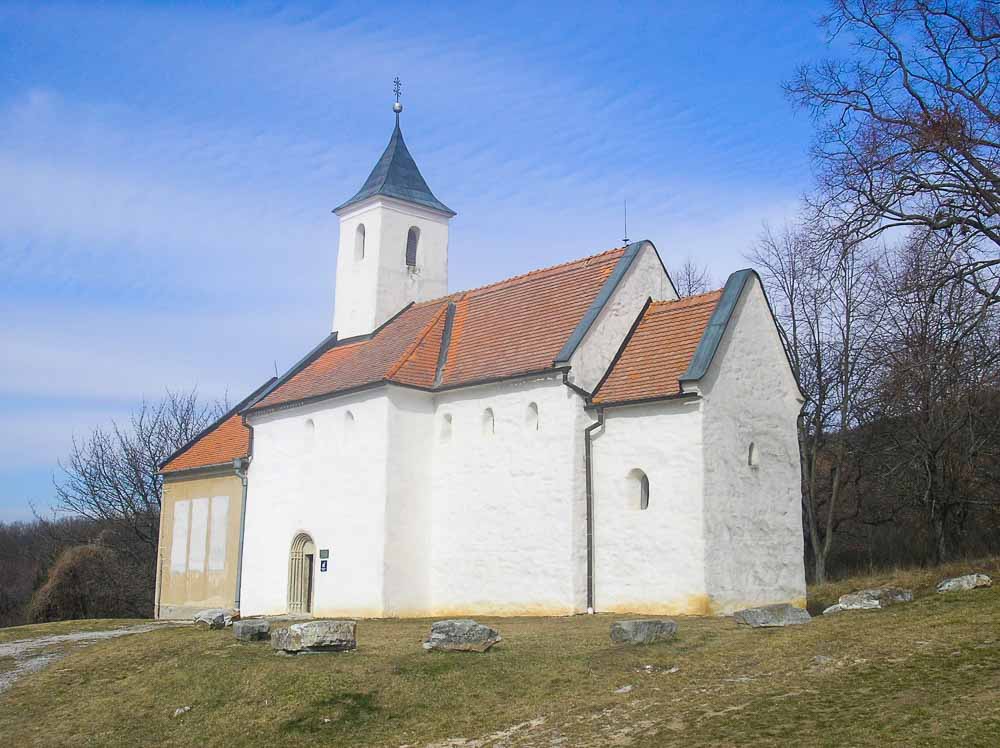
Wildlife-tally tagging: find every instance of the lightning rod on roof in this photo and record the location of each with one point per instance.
(625, 240)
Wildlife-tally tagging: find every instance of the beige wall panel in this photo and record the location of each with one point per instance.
(199, 545)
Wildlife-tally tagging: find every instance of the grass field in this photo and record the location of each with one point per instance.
(924, 673)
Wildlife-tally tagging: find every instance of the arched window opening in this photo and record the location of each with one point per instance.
(489, 422)
(349, 423)
(638, 490)
(752, 455)
(310, 430)
(531, 419)
(359, 242)
(446, 428)
(412, 240)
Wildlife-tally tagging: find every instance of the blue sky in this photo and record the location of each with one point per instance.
(167, 171)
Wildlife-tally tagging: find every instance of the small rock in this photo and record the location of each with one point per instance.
(822, 660)
(461, 635)
(879, 597)
(315, 636)
(674, 669)
(252, 630)
(624, 689)
(181, 710)
(643, 631)
(216, 618)
(963, 583)
(770, 616)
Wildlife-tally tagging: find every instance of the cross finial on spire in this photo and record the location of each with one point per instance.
(397, 88)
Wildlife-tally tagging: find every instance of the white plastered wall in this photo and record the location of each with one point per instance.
(371, 289)
(649, 560)
(508, 506)
(328, 480)
(408, 503)
(753, 521)
(645, 279)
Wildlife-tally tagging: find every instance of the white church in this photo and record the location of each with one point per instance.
(573, 439)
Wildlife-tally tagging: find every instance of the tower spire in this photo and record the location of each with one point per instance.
(396, 174)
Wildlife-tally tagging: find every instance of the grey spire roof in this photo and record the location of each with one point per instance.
(396, 175)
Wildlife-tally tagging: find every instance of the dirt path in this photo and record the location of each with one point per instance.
(32, 655)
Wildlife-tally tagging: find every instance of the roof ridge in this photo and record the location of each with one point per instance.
(700, 297)
(460, 295)
(412, 347)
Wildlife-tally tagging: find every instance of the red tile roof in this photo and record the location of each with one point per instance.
(512, 327)
(222, 444)
(659, 350)
(219, 444)
(516, 326)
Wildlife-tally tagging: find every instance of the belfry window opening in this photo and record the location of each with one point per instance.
(412, 240)
(359, 242)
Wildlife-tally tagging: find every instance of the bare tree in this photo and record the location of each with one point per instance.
(909, 128)
(112, 476)
(827, 311)
(692, 278)
(939, 394)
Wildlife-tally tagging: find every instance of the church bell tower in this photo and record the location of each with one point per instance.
(393, 242)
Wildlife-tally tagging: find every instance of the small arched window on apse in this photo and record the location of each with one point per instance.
(489, 422)
(310, 430)
(412, 240)
(349, 423)
(531, 417)
(638, 490)
(359, 242)
(752, 455)
(446, 428)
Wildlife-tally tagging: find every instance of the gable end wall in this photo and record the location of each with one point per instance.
(753, 520)
(645, 279)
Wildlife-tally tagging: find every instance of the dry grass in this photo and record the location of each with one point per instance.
(926, 673)
(920, 579)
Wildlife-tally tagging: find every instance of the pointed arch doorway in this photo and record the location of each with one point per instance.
(300, 574)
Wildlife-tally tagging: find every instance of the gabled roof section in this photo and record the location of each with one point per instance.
(658, 351)
(511, 328)
(520, 325)
(352, 364)
(223, 441)
(396, 175)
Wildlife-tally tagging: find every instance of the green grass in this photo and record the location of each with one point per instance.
(924, 673)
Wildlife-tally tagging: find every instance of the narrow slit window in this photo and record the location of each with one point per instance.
(637, 490)
(412, 240)
(359, 242)
(531, 419)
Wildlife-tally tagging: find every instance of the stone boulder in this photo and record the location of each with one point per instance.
(966, 582)
(216, 618)
(770, 616)
(315, 636)
(252, 630)
(643, 631)
(461, 635)
(879, 597)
